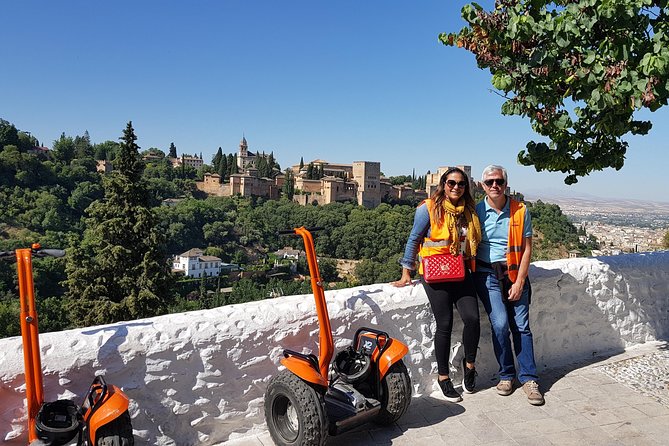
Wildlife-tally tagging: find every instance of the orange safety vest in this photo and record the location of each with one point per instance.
(514, 251)
(439, 240)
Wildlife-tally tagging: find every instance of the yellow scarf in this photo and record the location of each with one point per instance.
(451, 216)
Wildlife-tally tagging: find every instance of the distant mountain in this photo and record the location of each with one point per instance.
(592, 202)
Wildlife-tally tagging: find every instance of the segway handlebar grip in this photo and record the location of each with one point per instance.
(52, 252)
(315, 228)
(292, 231)
(286, 232)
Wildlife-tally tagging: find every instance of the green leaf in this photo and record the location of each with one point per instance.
(563, 122)
(589, 58)
(595, 96)
(502, 81)
(562, 42)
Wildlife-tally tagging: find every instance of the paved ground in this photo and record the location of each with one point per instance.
(620, 400)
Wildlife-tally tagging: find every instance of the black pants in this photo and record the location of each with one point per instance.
(443, 296)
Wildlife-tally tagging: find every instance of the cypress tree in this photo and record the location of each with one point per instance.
(234, 168)
(119, 270)
(223, 168)
(288, 188)
(172, 152)
(216, 161)
(231, 161)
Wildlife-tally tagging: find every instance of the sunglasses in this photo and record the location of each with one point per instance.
(500, 182)
(452, 184)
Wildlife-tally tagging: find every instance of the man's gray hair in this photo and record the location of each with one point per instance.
(492, 168)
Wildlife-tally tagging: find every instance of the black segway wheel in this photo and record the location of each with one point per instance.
(116, 433)
(295, 412)
(396, 388)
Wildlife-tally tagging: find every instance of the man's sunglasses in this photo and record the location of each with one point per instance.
(452, 184)
(500, 182)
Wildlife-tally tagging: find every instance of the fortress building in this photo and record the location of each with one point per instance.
(359, 182)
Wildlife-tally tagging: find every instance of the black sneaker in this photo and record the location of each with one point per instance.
(468, 378)
(450, 394)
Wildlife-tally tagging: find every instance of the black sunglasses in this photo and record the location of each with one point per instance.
(452, 183)
(500, 182)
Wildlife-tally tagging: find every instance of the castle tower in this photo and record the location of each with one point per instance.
(244, 157)
(367, 174)
(243, 148)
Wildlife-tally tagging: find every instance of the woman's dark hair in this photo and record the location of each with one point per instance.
(439, 195)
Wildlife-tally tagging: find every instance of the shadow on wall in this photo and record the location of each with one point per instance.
(566, 320)
(586, 310)
(641, 289)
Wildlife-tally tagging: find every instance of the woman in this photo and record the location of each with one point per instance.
(449, 216)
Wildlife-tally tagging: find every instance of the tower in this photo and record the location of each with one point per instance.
(244, 157)
(243, 148)
(367, 174)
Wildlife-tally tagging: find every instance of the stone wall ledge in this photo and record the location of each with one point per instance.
(199, 377)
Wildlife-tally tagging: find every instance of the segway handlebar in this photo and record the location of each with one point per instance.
(292, 231)
(37, 252)
(50, 253)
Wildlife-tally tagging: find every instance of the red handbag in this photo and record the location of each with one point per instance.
(443, 268)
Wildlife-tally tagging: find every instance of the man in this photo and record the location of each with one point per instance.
(502, 264)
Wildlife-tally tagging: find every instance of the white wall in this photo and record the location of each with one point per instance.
(199, 377)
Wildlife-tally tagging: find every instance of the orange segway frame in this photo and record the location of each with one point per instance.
(30, 336)
(103, 404)
(387, 351)
(314, 369)
(311, 368)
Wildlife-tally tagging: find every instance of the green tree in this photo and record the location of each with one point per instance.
(64, 149)
(261, 165)
(328, 270)
(288, 188)
(234, 168)
(172, 151)
(223, 168)
(273, 165)
(665, 241)
(27, 141)
(119, 271)
(106, 150)
(83, 149)
(8, 134)
(232, 160)
(216, 161)
(606, 59)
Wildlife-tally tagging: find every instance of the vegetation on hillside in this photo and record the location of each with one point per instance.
(119, 237)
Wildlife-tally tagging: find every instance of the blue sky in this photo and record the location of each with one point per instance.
(341, 81)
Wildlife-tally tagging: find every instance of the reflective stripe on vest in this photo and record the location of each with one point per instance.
(514, 248)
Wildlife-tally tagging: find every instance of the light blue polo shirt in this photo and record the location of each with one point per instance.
(495, 231)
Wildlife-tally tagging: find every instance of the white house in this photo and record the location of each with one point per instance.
(194, 263)
(289, 253)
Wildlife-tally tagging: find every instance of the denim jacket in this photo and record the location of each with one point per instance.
(420, 230)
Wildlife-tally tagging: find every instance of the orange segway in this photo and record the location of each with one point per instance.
(102, 419)
(305, 403)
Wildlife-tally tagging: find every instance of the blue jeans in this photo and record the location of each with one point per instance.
(508, 318)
